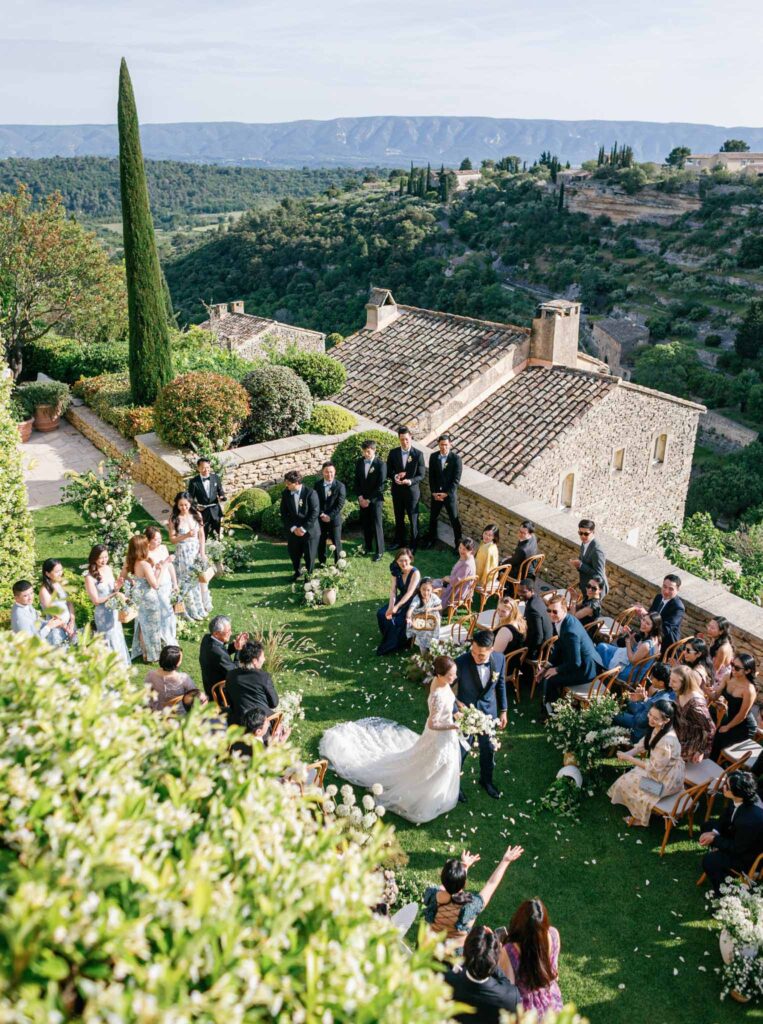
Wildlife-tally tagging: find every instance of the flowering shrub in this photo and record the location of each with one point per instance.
(150, 876)
(740, 910)
(16, 544)
(200, 408)
(230, 555)
(586, 732)
(109, 396)
(104, 499)
(290, 706)
(356, 820)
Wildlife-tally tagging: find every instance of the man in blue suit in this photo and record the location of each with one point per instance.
(481, 682)
(574, 659)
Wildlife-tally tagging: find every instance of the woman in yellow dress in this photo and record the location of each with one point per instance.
(487, 553)
(659, 775)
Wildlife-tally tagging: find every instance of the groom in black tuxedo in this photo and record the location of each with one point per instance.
(480, 680)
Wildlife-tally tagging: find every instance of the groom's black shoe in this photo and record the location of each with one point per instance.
(491, 790)
(461, 796)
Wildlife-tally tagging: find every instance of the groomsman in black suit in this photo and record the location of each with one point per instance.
(299, 512)
(444, 475)
(332, 494)
(370, 480)
(405, 468)
(206, 489)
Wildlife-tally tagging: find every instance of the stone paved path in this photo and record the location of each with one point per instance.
(46, 458)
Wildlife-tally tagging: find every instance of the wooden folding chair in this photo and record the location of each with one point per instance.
(755, 873)
(541, 662)
(174, 701)
(494, 584)
(461, 630)
(745, 750)
(708, 771)
(513, 669)
(674, 653)
(675, 806)
(586, 693)
(592, 628)
(619, 623)
(273, 724)
(530, 567)
(316, 773)
(461, 596)
(218, 695)
(635, 677)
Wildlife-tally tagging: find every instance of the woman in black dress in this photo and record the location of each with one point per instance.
(739, 691)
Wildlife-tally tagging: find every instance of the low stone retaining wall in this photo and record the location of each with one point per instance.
(104, 437)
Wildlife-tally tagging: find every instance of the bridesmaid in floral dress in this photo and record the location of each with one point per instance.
(55, 601)
(158, 555)
(101, 586)
(186, 529)
(147, 640)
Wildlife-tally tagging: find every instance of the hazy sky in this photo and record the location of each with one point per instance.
(279, 60)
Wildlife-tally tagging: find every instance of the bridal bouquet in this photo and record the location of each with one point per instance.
(473, 722)
(290, 706)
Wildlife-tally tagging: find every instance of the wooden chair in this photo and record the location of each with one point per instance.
(587, 693)
(753, 874)
(513, 669)
(675, 806)
(592, 628)
(711, 773)
(634, 677)
(530, 567)
(273, 724)
(461, 596)
(218, 695)
(745, 750)
(461, 630)
(539, 663)
(494, 584)
(619, 623)
(174, 701)
(674, 652)
(316, 773)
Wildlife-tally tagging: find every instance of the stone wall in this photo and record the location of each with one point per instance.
(161, 468)
(103, 436)
(278, 338)
(724, 435)
(261, 465)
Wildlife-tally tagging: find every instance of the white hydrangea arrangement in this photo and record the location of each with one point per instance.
(739, 909)
(316, 588)
(357, 820)
(290, 706)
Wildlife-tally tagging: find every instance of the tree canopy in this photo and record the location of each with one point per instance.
(734, 146)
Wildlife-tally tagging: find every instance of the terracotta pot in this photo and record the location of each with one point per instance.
(329, 596)
(25, 430)
(45, 419)
(739, 997)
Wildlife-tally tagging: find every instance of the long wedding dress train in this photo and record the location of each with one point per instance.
(420, 774)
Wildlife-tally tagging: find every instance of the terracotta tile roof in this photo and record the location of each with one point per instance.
(416, 362)
(237, 326)
(502, 435)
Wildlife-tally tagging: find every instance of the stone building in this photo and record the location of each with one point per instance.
(252, 337)
(528, 409)
(465, 178)
(614, 339)
(744, 163)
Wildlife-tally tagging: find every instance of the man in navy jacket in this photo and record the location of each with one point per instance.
(671, 608)
(481, 681)
(574, 659)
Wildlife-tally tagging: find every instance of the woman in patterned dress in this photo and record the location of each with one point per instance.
(145, 583)
(694, 724)
(186, 528)
(532, 952)
(159, 555)
(55, 601)
(101, 586)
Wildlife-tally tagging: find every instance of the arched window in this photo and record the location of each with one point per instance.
(660, 449)
(567, 491)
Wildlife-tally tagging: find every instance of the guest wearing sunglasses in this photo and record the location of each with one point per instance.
(738, 723)
(589, 609)
(591, 560)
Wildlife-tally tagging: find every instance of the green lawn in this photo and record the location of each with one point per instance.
(636, 942)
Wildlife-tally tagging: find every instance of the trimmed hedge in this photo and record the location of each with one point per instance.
(347, 452)
(17, 556)
(271, 522)
(249, 506)
(322, 374)
(329, 419)
(280, 403)
(67, 359)
(200, 410)
(110, 398)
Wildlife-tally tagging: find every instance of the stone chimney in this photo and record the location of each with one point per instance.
(554, 336)
(381, 309)
(217, 311)
(236, 307)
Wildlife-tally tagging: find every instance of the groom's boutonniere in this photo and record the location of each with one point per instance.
(493, 677)
(371, 470)
(301, 504)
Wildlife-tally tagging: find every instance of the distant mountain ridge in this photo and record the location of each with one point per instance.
(360, 141)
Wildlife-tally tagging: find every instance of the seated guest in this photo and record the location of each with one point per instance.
(256, 726)
(738, 723)
(509, 626)
(217, 653)
(718, 632)
(662, 771)
(574, 659)
(696, 654)
(539, 626)
(24, 616)
(486, 558)
(392, 617)
(426, 602)
(479, 982)
(693, 723)
(55, 601)
(527, 546)
(591, 560)
(449, 908)
(248, 687)
(166, 682)
(734, 842)
(670, 607)
(589, 609)
(634, 717)
(634, 646)
(465, 566)
(533, 947)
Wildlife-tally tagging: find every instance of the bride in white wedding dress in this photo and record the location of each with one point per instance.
(420, 774)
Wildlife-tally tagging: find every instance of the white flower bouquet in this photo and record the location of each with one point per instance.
(290, 706)
(739, 910)
(473, 722)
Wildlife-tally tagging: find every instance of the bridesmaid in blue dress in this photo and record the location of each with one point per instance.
(158, 555)
(186, 528)
(100, 586)
(392, 616)
(147, 640)
(55, 601)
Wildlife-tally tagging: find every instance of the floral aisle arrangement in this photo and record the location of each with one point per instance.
(356, 820)
(586, 733)
(322, 585)
(101, 924)
(229, 555)
(290, 706)
(739, 909)
(473, 722)
(105, 501)
(420, 665)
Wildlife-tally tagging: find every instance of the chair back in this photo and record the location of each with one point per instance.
(639, 670)
(174, 701)
(625, 618)
(513, 665)
(601, 684)
(494, 583)
(530, 567)
(462, 594)
(461, 630)
(319, 770)
(273, 722)
(218, 695)
(675, 652)
(592, 628)
(755, 873)
(686, 801)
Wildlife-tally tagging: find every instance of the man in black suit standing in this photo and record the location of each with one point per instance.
(370, 480)
(539, 628)
(217, 653)
(332, 494)
(299, 512)
(734, 841)
(670, 607)
(405, 468)
(479, 982)
(445, 469)
(591, 561)
(206, 489)
(481, 681)
(249, 688)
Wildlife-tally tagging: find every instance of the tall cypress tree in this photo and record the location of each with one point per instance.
(429, 177)
(150, 355)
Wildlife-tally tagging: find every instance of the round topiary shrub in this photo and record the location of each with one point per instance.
(330, 419)
(271, 522)
(249, 505)
(347, 452)
(280, 402)
(322, 374)
(200, 410)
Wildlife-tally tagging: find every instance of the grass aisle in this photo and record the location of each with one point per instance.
(636, 940)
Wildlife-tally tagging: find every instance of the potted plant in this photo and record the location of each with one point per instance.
(739, 910)
(49, 398)
(23, 417)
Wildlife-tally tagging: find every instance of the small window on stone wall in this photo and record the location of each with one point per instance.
(618, 460)
(660, 449)
(567, 491)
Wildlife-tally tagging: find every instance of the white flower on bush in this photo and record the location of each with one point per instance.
(369, 820)
(377, 789)
(341, 564)
(331, 790)
(356, 815)
(308, 586)
(329, 806)
(380, 811)
(368, 802)
(342, 811)
(346, 790)
(310, 597)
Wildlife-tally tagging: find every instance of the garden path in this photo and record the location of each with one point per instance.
(47, 457)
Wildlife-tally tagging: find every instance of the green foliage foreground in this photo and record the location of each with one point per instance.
(148, 876)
